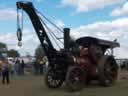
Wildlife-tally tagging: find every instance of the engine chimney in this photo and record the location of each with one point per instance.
(66, 38)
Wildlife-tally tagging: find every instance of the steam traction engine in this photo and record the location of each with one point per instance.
(79, 62)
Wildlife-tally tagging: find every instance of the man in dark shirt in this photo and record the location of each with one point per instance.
(5, 72)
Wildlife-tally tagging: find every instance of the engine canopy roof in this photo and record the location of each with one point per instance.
(87, 41)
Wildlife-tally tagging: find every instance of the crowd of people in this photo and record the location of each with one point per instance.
(38, 67)
(18, 67)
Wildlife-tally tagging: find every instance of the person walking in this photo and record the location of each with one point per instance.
(36, 67)
(5, 72)
(22, 67)
(16, 67)
(41, 65)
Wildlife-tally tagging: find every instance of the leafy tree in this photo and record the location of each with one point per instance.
(39, 53)
(3, 49)
(13, 53)
(2, 45)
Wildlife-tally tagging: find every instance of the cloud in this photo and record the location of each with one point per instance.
(113, 28)
(87, 5)
(108, 30)
(120, 11)
(59, 23)
(121, 52)
(29, 41)
(7, 14)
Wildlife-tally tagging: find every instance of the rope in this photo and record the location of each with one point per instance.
(22, 22)
(51, 31)
(51, 34)
(17, 18)
(19, 31)
(49, 20)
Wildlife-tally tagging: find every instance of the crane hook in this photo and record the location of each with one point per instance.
(19, 36)
(19, 43)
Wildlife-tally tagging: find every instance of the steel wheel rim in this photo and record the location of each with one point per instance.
(52, 80)
(75, 77)
(110, 71)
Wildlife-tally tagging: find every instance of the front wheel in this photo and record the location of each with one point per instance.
(75, 78)
(52, 80)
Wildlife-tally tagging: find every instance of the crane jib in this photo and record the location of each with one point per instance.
(39, 28)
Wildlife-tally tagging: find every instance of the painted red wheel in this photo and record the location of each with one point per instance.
(75, 78)
(108, 70)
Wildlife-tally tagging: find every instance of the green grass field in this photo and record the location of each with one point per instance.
(34, 86)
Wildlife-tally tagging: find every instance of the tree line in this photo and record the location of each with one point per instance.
(39, 53)
(9, 53)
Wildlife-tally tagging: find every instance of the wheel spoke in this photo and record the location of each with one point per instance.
(73, 78)
(52, 80)
(110, 71)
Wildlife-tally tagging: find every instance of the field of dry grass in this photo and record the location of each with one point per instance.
(34, 86)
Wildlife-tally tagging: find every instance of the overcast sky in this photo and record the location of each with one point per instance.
(105, 19)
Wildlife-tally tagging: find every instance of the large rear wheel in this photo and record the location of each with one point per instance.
(108, 70)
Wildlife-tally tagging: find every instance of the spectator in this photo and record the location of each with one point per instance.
(41, 64)
(5, 72)
(22, 67)
(45, 67)
(36, 67)
(1, 62)
(16, 67)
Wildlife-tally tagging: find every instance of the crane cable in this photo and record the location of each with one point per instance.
(22, 21)
(51, 24)
(48, 20)
(50, 30)
(50, 33)
(19, 30)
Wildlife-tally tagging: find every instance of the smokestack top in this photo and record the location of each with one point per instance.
(66, 29)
